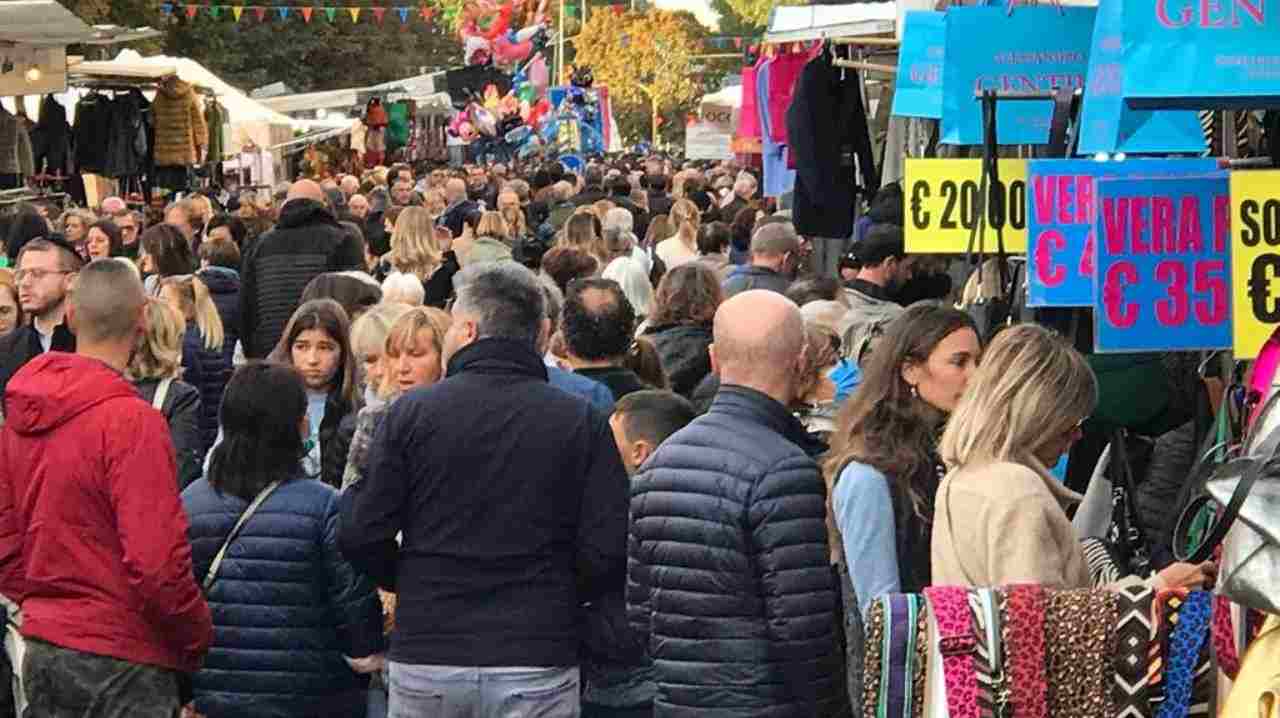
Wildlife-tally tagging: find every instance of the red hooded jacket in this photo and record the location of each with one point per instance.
(93, 537)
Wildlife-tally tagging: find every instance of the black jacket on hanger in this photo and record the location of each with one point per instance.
(51, 139)
(825, 123)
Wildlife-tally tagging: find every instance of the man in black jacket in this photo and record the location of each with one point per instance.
(728, 566)
(46, 269)
(306, 242)
(455, 213)
(592, 186)
(512, 502)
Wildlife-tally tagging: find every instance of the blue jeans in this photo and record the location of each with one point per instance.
(469, 692)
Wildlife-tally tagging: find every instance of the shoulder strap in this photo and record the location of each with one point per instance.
(235, 531)
(162, 391)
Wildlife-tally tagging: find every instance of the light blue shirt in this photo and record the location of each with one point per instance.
(864, 515)
(315, 416)
(778, 180)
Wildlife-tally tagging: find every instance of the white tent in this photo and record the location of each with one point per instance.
(796, 23)
(730, 96)
(251, 123)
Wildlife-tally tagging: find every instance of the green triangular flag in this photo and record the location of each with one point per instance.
(329, 12)
(215, 11)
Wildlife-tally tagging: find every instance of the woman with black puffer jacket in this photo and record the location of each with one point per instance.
(205, 363)
(296, 630)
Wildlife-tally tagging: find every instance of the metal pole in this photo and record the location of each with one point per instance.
(560, 49)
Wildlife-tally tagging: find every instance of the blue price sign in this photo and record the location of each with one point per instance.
(1163, 260)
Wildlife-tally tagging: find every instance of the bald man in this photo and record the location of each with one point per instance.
(458, 207)
(729, 580)
(775, 255)
(307, 241)
(100, 542)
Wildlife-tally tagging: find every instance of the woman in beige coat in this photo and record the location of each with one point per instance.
(999, 517)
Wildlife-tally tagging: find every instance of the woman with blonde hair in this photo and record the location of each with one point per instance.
(75, 228)
(999, 516)
(681, 247)
(155, 369)
(11, 316)
(414, 248)
(513, 215)
(206, 357)
(582, 232)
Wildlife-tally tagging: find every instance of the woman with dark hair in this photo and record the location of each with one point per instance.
(680, 325)
(317, 342)
(104, 239)
(742, 227)
(165, 253)
(227, 226)
(25, 225)
(283, 581)
(355, 291)
(883, 469)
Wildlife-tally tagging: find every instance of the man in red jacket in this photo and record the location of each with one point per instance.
(93, 538)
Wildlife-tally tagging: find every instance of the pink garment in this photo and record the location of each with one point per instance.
(748, 115)
(783, 74)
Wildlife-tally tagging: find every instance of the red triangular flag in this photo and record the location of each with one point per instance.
(737, 43)
(191, 11)
(617, 9)
(306, 13)
(426, 13)
(261, 12)
(378, 12)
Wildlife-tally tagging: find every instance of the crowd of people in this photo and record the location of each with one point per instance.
(501, 441)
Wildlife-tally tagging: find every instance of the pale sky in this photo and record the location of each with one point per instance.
(700, 8)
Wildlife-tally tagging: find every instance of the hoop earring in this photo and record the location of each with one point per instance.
(915, 392)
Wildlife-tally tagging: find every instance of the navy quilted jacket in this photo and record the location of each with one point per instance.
(286, 606)
(207, 370)
(224, 289)
(728, 569)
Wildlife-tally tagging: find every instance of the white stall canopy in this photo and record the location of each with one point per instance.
(797, 23)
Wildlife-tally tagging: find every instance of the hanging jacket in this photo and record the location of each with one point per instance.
(287, 607)
(15, 146)
(827, 122)
(99, 537)
(180, 126)
(92, 132)
(214, 117)
(127, 143)
(51, 140)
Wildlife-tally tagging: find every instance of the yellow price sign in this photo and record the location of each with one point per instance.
(1255, 260)
(942, 206)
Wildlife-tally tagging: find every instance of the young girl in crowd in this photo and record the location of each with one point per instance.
(681, 247)
(103, 240)
(165, 253)
(284, 584)
(316, 343)
(1000, 517)
(156, 370)
(205, 357)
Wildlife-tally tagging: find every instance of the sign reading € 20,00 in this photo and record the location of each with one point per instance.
(941, 208)
(1255, 260)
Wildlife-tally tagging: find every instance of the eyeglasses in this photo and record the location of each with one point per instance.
(37, 274)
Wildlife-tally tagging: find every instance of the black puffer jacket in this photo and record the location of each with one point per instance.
(728, 569)
(224, 290)
(306, 242)
(287, 607)
(208, 371)
(683, 350)
(181, 408)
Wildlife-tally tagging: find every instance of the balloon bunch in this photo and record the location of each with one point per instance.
(487, 35)
(505, 127)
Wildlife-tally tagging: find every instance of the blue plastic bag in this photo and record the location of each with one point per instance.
(918, 92)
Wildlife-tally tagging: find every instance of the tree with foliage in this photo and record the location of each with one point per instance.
(647, 62)
(746, 15)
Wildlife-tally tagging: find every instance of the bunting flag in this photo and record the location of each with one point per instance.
(191, 11)
(737, 43)
(166, 8)
(261, 12)
(330, 13)
(306, 13)
(404, 14)
(618, 9)
(215, 11)
(378, 13)
(426, 12)
(236, 10)
(284, 12)
(355, 14)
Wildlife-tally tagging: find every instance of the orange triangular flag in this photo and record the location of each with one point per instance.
(306, 13)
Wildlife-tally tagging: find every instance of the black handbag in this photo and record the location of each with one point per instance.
(1127, 544)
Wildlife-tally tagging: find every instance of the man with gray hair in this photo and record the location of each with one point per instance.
(752, 612)
(512, 504)
(775, 255)
(94, 545)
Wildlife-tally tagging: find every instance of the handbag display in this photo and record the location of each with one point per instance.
(1249, 491)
